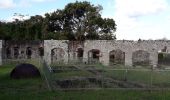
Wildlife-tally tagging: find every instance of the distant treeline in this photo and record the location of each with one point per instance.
(77, 21)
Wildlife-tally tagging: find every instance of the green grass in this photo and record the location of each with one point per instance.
(77, 71)
(138, 75)
(72, 74)
(35, 89)
(141, 76)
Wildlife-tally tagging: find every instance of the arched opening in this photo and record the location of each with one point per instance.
(8, 53)
(16, 52)
(41, 51)
(164, 49)
(140, 57)
(163, 57)
(57, 55)
(80, 54)
(22, 54)
(93, 55)
(29, 52)
(116, 57)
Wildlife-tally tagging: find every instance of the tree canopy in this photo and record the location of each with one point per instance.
(77, 21)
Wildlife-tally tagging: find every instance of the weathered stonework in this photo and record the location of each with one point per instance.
(21, 49)
(1, 45)
(52, 44)
(66, 50)
(106, 46)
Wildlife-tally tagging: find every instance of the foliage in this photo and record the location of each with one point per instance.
(163, 59)
(77, 21)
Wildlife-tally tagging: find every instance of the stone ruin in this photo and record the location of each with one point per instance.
(108, 52)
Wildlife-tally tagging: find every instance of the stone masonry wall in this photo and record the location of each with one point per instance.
(152, 47)
(106, 46)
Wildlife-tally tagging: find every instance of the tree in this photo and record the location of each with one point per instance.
(77, 21)
(80, 21)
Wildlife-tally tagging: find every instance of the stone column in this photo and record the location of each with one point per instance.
(47, 52)
(1, 52)
(0, 56)
(153, 58)
(66, 56)
(128, 58)
(85, 57)
(105, 58)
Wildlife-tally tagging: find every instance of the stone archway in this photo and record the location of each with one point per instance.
(140, 57)
(80, 52)
(16, 52)
(29, 52)
(8, 53)
(116, 57)
(163, 57)
(57, 55)
(93, 56)
(41, 51)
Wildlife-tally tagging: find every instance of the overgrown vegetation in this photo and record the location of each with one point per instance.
(163, 59)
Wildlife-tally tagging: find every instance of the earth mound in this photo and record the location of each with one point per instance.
(24, 71)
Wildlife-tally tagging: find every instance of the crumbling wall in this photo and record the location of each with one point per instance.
(1, 51)
(116, 57)
(49, 45)
(70, 49)
(74, 47)
(105, 46)
(21, 49)
(140, 57)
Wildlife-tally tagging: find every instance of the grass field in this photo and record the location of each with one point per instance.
(115, 77)
(35, 89)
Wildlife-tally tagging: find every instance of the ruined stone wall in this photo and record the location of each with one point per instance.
(73, 47)
(49, 45)
(105, 46)
(1, 51)
(70, 48)
(21, 49)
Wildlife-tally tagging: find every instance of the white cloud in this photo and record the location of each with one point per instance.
(4, 4)
(42, 0)
(38, 0)
(139, 7)
(128, 15)
(28, 3)
(24, 3)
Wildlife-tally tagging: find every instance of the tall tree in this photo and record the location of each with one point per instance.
(80, 21)
(77, 21)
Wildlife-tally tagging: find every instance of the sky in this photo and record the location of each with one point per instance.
(135, 19)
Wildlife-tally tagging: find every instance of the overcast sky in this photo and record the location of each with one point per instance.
(144, 19)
